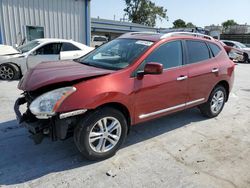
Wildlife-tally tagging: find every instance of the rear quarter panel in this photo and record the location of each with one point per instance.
(226, 71)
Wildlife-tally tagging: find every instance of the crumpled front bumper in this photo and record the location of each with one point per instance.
(36, 127)
(54, 127)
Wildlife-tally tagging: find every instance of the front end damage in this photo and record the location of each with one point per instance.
(58, 126)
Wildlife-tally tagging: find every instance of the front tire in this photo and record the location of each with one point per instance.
(215, 103)
(9, 72)
(100, 133)
(246, 58)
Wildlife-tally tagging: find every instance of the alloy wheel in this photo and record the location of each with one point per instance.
(105, 134)
(6, 72)
(217, 102)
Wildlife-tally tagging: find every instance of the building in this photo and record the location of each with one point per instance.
(25, 20)
(238, 29)
(240, 33)
(214, 30)
(113, 29)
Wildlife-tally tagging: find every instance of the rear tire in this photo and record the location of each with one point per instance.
(99, 134)
(9, 72)
(215, 103)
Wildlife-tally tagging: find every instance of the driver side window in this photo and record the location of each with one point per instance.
(168, 54)
(49, 49)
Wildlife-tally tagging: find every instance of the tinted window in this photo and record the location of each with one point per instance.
(197, 51)
(169, 54)
(49, 49)
(215, 49)
(69, 47)
(100, 39)
(229, 43)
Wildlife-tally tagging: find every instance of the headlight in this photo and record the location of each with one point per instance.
(45, 105)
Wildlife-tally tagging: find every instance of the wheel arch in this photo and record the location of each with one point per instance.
(225, 84)
(19, 68)
(122, 108)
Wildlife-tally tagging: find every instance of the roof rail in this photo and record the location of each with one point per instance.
(172, 34)
(142, 32)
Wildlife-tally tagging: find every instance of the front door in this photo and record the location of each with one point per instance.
(156, 95)
(48, 52)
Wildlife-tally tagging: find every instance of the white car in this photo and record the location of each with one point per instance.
(15, 62)
(240, 46)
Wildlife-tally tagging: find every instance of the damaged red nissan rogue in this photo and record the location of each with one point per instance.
(132, 79)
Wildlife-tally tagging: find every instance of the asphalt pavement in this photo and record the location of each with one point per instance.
(181, 150)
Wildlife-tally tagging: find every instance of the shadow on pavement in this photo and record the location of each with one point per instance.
(22, 161)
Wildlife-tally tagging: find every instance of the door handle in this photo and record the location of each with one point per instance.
(214, 70)
(182, 78)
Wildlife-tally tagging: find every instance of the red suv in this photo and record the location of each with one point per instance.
(132, 79)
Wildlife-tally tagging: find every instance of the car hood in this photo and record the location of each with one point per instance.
(7, 50)
(10, 57)
(48, 73)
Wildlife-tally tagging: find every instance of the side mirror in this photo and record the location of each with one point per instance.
(151, 68)
(34, 53)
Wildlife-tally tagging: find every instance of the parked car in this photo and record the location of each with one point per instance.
(130, 80)
(234, 54)
(98, 40)
(15, 62)
(240, 46)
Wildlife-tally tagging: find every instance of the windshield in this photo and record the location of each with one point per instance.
(116, 54)
(29, 46)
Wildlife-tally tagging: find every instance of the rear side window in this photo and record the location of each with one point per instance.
(197, 51)
(229, 43)
(215, 49)
(69, 47)
(169, 54)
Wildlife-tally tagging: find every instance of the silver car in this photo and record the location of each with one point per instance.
(240, 46)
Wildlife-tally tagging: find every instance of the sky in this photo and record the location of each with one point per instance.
(200, 12)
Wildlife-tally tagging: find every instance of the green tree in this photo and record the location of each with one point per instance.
(179, 23)
(228, 23)
(144, 12)
(190, 25)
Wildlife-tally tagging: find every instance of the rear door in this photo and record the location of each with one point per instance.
(47, 52)
(202, 70)
(69, 51)
(156, 95)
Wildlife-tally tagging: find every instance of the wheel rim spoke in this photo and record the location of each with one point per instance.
(111, 141)
(113, 137)
(100, 145)
(95, 136)
(221, 99)
(114, 125)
